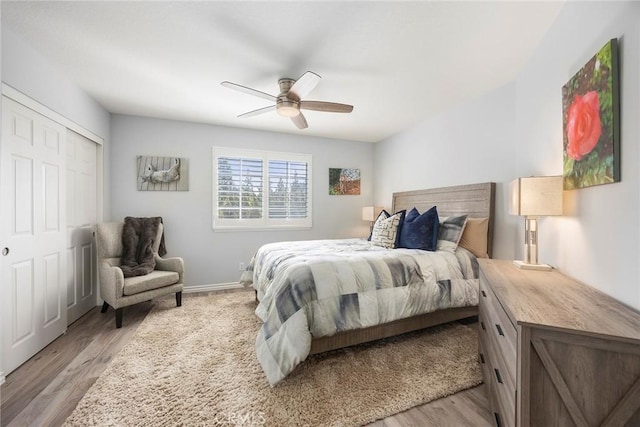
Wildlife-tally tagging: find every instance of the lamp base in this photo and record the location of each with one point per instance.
(524, 266)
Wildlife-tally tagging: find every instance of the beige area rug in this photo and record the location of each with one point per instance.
(196, 365)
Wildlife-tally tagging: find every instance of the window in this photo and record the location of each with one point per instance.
(260, 189)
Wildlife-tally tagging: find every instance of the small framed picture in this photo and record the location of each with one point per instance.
(344, 181)
(162, 173)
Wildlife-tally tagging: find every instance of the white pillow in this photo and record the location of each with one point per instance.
(385, 231)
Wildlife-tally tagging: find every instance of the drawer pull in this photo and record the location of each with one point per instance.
(482, 358)
(482, 326)
(498, 376)
(499, 328)
(483, 294)
(497, 416)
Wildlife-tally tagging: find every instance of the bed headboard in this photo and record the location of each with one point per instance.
(475, 200)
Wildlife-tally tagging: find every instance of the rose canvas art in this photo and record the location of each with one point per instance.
(591, 124)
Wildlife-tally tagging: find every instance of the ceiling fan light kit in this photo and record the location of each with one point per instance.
(287, 108)
(289, 102)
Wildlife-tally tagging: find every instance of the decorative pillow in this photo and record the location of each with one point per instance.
(386, 230)
(384, 215)
(475, 237)
(450, 232)
(420, 231)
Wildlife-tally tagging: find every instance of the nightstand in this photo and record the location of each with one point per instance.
(556, 352)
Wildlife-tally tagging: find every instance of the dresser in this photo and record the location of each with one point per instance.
(555, 352)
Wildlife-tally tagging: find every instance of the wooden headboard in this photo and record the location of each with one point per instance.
(475, 200)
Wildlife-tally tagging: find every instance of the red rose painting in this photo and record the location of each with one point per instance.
(583, 125)
(591, 125)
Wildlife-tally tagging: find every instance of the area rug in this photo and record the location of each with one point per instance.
(196, 365)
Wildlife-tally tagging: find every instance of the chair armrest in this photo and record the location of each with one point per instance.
(171, 264)
(111, 283)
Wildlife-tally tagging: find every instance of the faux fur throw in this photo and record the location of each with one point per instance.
(138, 237)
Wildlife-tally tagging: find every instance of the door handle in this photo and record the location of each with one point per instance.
(5, 251)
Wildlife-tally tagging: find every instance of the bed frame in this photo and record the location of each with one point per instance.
(475, 200)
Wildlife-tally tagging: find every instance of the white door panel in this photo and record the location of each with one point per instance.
(81, 217)
(71, 277)
(33, 271)
(22, 289)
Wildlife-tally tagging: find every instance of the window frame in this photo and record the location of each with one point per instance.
(264, 223)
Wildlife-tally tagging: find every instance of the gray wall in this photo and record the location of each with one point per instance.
(516, 131)
(213, 257)
(467, 144)
(597, 241)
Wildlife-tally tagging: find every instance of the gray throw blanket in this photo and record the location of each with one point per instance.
(138, 238)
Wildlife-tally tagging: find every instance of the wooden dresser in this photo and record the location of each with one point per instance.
(555, 352)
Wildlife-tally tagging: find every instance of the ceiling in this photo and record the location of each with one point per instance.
(398, 63)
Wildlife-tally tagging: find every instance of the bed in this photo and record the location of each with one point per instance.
(303, 316)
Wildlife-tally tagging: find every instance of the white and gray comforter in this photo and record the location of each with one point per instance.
(317, 288)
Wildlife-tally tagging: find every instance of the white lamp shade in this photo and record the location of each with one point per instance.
(536, 196)
(370, 213)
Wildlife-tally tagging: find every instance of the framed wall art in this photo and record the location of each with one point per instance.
(344, 181)
(162, 173)
(591, 122)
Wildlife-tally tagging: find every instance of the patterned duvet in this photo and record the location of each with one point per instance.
(317, 288)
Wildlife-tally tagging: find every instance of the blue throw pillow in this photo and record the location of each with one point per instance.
(420, 231)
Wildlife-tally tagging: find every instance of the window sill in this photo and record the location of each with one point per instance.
(225, 229)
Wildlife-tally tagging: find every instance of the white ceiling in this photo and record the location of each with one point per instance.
(397, 62)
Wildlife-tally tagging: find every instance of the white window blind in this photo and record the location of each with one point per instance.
(287, 189)
(261, 189)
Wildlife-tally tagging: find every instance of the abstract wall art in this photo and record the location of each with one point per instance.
(343, 181)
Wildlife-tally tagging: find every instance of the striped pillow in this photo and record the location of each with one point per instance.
(451, 229)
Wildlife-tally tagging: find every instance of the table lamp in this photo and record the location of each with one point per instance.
(370, 213)
(532, 198)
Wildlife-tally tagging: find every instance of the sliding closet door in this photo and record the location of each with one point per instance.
(32, 233)
(81, 217)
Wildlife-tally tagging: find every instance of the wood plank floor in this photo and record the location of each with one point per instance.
(45, 389)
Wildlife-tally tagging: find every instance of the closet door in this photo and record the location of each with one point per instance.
(32, 233)
(81, 217)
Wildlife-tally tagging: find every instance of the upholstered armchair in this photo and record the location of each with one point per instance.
(118, 291)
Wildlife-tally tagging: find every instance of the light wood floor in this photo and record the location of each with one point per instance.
(45, 389)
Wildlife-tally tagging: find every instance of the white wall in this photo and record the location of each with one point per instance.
(517, 131)
(28, 71)
(598, 239)
(213, 257)
(468, 144)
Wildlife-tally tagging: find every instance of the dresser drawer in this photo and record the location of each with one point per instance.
(489, 383)
(501, 386)
(502, 333)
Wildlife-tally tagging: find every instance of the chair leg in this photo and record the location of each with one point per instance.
(119, 318)
(179, 299)
(105, 306)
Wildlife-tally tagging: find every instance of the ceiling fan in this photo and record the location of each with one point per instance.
(289, 102)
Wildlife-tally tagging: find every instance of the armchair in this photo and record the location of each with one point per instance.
(118, 291)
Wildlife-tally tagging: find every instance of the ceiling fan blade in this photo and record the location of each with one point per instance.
(258, 111)
(300, 121)
(303, 85)
(331, 107)
(248, 91)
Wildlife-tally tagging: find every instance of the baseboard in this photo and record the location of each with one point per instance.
(211, 288)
